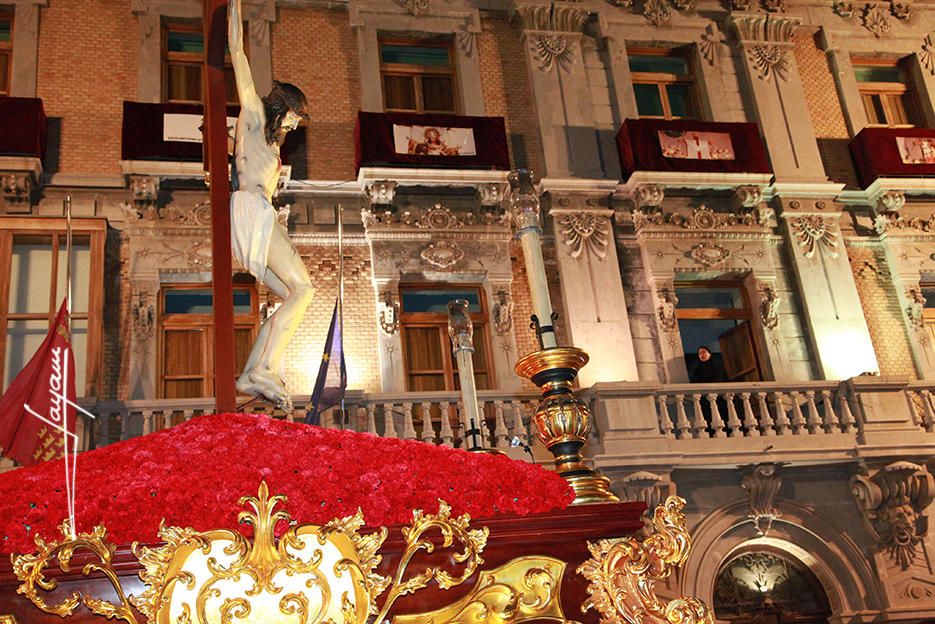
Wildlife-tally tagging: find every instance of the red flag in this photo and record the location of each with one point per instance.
(38, 405)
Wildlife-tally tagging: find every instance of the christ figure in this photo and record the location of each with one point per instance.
(259, 241)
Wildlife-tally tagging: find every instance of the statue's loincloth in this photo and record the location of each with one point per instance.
(252, 223)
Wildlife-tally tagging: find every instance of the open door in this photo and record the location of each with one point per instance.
(739, 354)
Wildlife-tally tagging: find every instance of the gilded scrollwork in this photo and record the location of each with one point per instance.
(622, 574)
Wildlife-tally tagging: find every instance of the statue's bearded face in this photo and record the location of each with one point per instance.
(290, 121)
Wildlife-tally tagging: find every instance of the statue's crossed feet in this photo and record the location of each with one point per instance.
(263, 383)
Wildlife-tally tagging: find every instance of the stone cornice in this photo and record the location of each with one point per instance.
(558, 16)
(756, 28)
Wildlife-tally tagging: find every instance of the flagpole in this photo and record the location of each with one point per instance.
(341, 298)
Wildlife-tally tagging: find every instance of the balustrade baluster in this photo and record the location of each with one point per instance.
(147, 422)
(681, 422)
(749, 420)
(847, 417)
(733, 422)
(780, 419)
(409, 429)
(519, 427)
(389, 422)
(717, 421)
(699, 425)
(105, 429)
(766, 420)
(665, 423)
(428, 431)
(832, 425)
(500, 434)
(798, 418)
(928, 415)
(814, 420)
(446, 434)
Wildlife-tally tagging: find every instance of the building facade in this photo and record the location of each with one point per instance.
(755, 177)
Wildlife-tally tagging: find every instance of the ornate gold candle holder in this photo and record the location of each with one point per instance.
(562, 421)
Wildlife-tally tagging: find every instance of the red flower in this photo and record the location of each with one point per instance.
(194, 474)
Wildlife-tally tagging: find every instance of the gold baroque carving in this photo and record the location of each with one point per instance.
(7, 619)
(524, 589)
(622, 574)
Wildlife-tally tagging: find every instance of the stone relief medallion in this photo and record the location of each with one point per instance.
(439, 218)
(442, 255)
(584, 231)
(709, 254)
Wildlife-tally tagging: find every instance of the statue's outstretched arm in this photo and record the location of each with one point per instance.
(242, 75)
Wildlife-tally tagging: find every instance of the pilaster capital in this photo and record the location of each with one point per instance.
(564, 17)
(759, 29)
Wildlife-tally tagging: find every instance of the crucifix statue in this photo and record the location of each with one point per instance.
(259, 241)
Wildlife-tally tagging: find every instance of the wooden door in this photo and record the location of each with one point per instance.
(739, 354)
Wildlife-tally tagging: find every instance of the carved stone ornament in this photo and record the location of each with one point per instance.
(144, 322)
(891, 201)
(17, 189)
(762, 483)
(876, 19)
(439, 218)
(503, 313)
(774, 6)
(553, 49)
(667, 305)
(769, 307)
(620, 3)
(708, 43)
(741, 5)
(769, 60)
(584, 231)
(900, 10)
(892, 504)
(894, 221)
(646, 487)
(657, 12)
(442, 254)
(382, 192)
(684, 5)
(701, 218)
(388, 313)
(927, 54)
(467, 42)
(648, 195)
(815, 233)
(709, 254)
(915, 309)
(622, 574)
(414, 7)
(491, 195)
(748, 196)
(144, 190)
(843, 8)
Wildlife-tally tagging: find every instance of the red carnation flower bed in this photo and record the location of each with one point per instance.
(194, 474)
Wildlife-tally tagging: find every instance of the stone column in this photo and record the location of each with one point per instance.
(565, 113)
(851, 104)
(619, 68)
(26, 47)
(368, 49)
(777, 95)
(922, 74)
(832, 308)
(467, 65)
(592, 290)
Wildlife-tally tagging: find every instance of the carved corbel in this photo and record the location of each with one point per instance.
(143, 314)
(382, 192)
(647, 487)
(491, 195)
(748, 197)
(648, 196)
(769, 307)
(144, 191)
(916, 308)
(668, 317)
(503, 313)
(891, 201)
(389, 313)
(17, 190)
(762, 483)
(892, 504)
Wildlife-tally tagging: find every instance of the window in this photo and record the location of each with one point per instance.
(6, 49)
(886, 93)
(663, 83)
(430, 364)
(417, 77)
(716, 315)
(32, 253)
(186, 337)
(183, 51)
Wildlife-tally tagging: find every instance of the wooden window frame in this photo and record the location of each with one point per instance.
(96, 230)
(205, 322)
(187, 58)
(740, 314)
(429, 319)
(664, 79)
(417, 72)
(7, 47)
(897, 98)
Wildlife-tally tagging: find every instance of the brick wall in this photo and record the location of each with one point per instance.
(315, 49)
(88, 54)
(303, 356)
(507, 92)
(881, 308)
(824, 107)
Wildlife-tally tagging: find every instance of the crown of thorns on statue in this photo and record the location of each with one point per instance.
(283, 98)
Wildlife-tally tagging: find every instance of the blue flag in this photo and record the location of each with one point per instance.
(332, 374)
